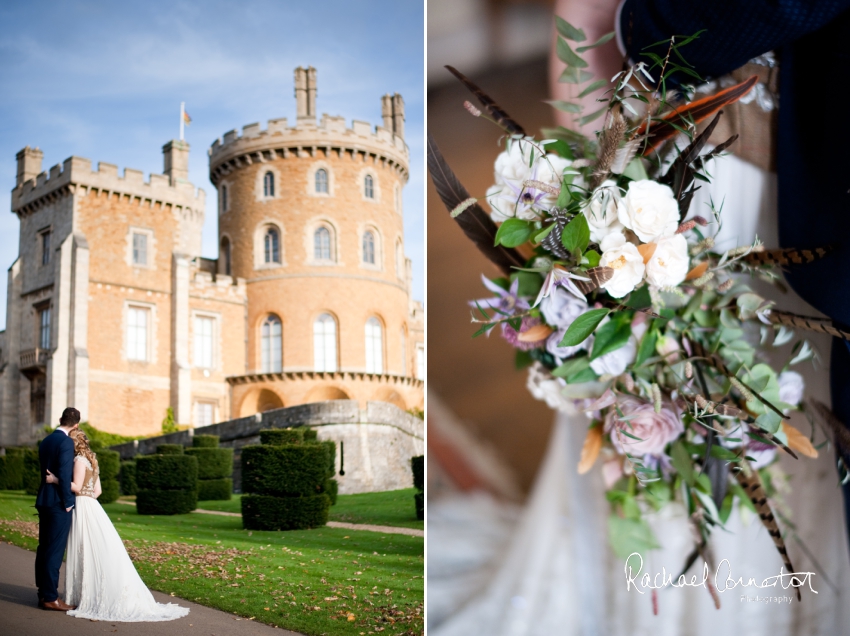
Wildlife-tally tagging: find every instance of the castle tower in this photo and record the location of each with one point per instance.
(310, 216)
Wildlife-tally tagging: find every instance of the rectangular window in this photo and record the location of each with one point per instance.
(420, 362)
(204, 342)
(140, 248)
(137, 333)
(45, 247)
(204, 413)
(44, 328)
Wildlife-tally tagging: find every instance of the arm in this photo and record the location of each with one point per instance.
(736, 30)
(65, 473)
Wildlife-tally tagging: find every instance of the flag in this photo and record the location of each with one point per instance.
(186, 119)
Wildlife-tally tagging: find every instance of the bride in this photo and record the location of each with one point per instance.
(100, 578)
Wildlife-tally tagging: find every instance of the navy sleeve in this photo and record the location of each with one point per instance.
(736, 31)
(66, 472)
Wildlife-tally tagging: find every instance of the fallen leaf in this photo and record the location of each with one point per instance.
(535, 333)
(697, 271)
(591, 448)
(799, 442)
(646, 251)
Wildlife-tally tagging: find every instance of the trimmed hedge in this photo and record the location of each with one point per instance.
(215, 489)
(262, 512)
(127, 477)
(284, 471)
(311, 435)
(281, 436)
(169, 449)
(32, 471)
(417, 464)
(109, 491)
(15, 468)
(166, 472)
(166, 502)
(205, 441)
(109, 463)
(213, 463)
(420, 505)
(332, 490)
(2, 472)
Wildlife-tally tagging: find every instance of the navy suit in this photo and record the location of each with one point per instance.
(56, 454)
(812, 40)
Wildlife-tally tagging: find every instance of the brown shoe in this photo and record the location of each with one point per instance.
(57, 606)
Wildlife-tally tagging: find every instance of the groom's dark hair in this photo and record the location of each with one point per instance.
(70, 416)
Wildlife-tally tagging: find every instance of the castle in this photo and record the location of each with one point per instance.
(111, 308)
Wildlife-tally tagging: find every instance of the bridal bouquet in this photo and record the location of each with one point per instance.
(614, 295)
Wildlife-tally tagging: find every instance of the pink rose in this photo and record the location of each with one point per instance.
(655, 430)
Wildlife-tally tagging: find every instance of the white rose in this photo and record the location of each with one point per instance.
(513, 163)
(649, 209)
(669, 263)
(549, 169)
(626, 262)
(791, 386)
(615, 362)
(601, 211)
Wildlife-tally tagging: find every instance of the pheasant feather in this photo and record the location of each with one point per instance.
(496, 111)
(788, 256)
(809, 323)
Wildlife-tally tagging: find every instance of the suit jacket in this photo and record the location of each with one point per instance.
(812, 40)
(56, 454)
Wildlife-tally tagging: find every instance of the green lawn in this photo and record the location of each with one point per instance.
(323, 581)
(390, 508)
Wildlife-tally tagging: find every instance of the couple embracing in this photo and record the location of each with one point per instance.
(101, 582)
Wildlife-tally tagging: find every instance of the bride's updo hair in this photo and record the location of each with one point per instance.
(82, 447)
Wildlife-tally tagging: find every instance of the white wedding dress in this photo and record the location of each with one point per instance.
(100, 578)
(555, 573)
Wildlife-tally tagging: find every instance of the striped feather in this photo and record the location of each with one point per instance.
(808, 323)
(496, 111)
(755, 491)
(788, 256)
(598, 277)
(694, 112)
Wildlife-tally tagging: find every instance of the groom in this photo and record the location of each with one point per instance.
(54, 504)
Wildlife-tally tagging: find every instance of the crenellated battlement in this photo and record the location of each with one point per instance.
(306, 138)
(75, 174)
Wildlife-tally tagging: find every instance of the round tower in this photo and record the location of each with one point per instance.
(310, 216)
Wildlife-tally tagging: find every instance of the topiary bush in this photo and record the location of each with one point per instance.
(417, 465)
(205, 441)
(167, 484)
(2, 472)
(311, 435)
(32, 471)
(15, 468)
(127, 478)
(215, 468)
(286, 483)
(109, 463)
(281, 436)
(332, 490)
(169, 449)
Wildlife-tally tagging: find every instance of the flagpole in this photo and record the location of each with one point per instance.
(182, 110)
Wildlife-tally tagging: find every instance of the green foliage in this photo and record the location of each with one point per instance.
(110, 490)
(612, 335)
(2, 472)
(263, 512)
(419, 501)
(215, 489)
(529, 283)
(15, 468)
(168, 423)
(583, 326)
(127, 477)
(109, 463)
(332, 490)
(284, 471)
(576, 236)
(213, 463)
(205, 441)
(417, 464)
(166, 472)
(169, 449)
(628, 535)
(417, 412)
(100, 439)
(330, 445)
(282, 436)
(311, 435)
(514, 232)
(32, 471)
(166, 502)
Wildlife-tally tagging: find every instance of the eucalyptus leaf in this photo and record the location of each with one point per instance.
(571, 367)
(636, 170)
(595, 86)
(682, 462)
(568, 56)
(610, 337)
(605, 38)
(630, 535)
(567, 30)
(567, 107)
(583, 326)
(574, 75)
(592, 116)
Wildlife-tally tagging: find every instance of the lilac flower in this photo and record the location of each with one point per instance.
(506, 303)
(512, 335)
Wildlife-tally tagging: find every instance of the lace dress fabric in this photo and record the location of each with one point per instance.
(100, 578)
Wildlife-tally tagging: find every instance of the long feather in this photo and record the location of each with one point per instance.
(496, 111)
(598, 277)
(840, 434)
(755, 491)
(695, 112)
(787, 256)
(474, 221)
(808, 323)
(680, 175)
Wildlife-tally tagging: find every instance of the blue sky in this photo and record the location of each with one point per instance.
(104, 80)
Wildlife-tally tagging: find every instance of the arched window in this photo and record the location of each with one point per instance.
(369, 187)
(268, 185)
(324, 343)
(225, 256)
(271, 244)
(322, 180)
(369, 248)
(322, 244)
(271, 351)
(374, 346)
(223, 199)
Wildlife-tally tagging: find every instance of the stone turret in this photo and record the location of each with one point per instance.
(29, 164)
(392, 110)
(305, 93)
(175, 161)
